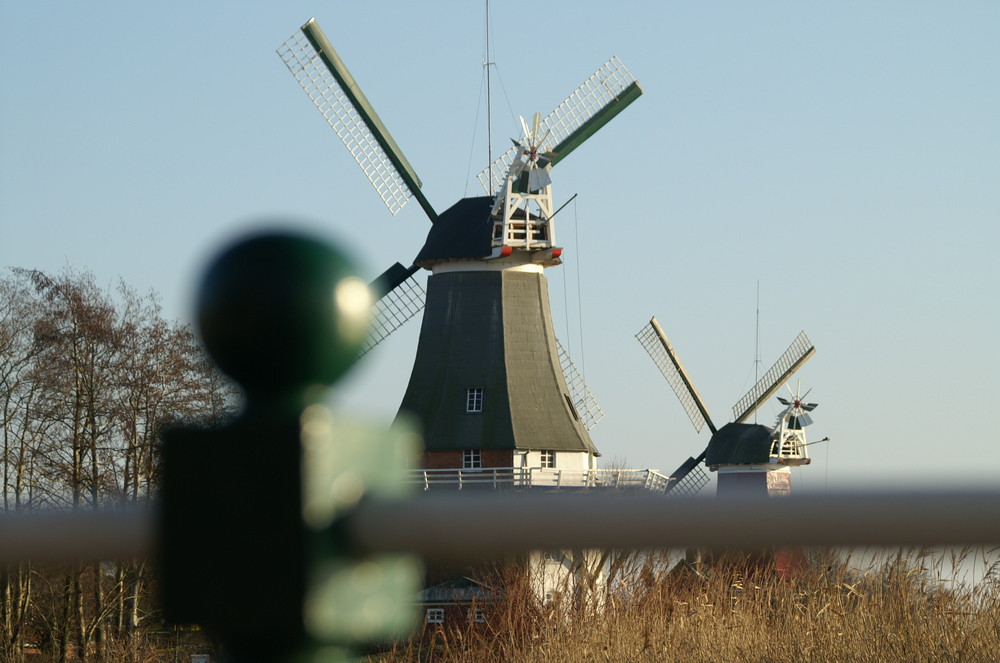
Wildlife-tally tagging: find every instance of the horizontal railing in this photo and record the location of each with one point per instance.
(528, 477)
(442, 526)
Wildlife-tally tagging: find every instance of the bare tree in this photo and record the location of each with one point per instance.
(88, 380)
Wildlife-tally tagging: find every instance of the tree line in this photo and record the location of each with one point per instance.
(89, 378)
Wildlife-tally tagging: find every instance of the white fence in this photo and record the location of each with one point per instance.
(535, 477)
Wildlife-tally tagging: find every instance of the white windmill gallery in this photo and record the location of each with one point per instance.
(498, 399)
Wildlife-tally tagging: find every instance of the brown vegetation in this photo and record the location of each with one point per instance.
(891, 607)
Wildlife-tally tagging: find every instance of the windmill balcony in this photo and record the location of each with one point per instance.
(789, 448)
(521, 234)
(539, 477)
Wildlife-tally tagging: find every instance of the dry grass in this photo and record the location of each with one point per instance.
(894, 607)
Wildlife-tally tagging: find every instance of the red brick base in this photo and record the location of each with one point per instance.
(450, 460)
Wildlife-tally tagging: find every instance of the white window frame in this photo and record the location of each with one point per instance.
(476, 616)
(474, 400)
(472, 459)
(548, 459)
(434, 616)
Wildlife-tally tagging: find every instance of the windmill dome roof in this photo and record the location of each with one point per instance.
(461, 232)
(739, 444)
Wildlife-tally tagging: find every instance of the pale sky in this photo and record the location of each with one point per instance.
(843, 156)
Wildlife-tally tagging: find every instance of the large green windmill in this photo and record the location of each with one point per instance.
(490, 383)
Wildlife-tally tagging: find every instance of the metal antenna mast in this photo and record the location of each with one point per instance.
(756, 351)
(489, 97)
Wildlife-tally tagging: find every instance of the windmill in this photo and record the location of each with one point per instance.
(490, 384)
(749, 457)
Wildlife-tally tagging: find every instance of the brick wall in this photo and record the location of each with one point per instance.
(449, 460)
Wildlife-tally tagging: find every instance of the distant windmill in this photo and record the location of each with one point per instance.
(748, 457)
(490, 384)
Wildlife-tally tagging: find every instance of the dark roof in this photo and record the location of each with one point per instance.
(739, 444)
(458, 590)
(461, 232)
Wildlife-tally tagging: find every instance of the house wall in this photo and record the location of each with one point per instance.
(565, 460)
(565, 575)
(450, 460)
(456, 615)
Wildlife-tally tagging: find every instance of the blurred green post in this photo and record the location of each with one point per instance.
(252, 548)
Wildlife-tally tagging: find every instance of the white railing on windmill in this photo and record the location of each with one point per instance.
(524, 479)
(784, 444)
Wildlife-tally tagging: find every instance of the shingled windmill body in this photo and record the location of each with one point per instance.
(489, 382)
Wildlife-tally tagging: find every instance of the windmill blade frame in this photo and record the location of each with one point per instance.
(593, 104)
(587, 408)
(324, 77)
(400, 299)
(688, 479)
(792, 360)
(655, 342)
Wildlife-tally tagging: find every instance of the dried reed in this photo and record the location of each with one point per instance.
(912, 605)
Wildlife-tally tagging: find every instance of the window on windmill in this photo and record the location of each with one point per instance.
(474, 399)
(548, 459)
(435, 616)
(472, 459)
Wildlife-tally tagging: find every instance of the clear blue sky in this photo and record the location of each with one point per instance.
(845, 155)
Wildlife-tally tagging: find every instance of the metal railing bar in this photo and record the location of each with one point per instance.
(439, 527)
(474, 526)
(91, 535)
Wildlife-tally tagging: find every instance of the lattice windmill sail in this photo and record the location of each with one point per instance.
(586, 406)
(689, 478)
(797, 354)
(484, 253)
(778, 445)
(399, 298)
(607, 92)
(324, 77)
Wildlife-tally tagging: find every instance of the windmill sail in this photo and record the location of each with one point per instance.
(797, 354)
(587, 408)
(592, 105)
(689, 478)
(400, 298)
(324, 77)
(655, 342)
